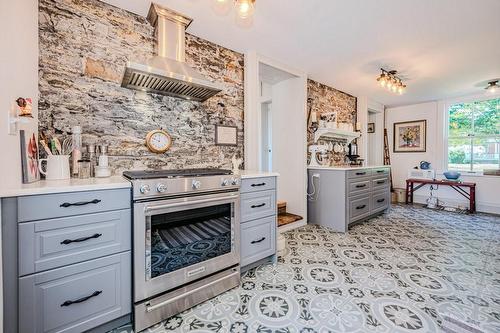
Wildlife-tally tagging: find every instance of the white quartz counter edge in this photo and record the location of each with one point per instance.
(249, 174)
(63, 186)
(347, 168)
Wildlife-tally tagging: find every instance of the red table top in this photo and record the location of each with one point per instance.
(441, 182)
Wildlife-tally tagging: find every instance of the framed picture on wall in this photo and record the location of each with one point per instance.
(410, 136)
(226, 135)
(371, 128)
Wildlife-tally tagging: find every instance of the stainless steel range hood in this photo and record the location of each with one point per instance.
(167, 73)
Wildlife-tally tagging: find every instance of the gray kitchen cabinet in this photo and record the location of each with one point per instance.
(345, 196)
(70, 270)
(77, 297)
(258, 220)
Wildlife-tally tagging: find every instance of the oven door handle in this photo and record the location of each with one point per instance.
(184, 203)
(150, 308)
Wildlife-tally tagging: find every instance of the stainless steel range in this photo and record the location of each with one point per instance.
(186, 239)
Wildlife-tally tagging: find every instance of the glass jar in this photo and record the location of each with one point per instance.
(84, 169)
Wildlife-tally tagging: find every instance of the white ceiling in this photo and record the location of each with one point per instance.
(443, 48)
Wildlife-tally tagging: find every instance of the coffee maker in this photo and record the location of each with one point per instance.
(353, 156)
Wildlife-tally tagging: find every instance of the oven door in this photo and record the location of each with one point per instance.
(180, 240)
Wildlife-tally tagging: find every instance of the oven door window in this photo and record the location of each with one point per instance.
(184, 238)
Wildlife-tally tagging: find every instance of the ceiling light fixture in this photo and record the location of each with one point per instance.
(389, 79)
(244, 8)
(492, 87)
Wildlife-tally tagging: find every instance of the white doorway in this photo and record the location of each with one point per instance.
(275, 128)
(375, 134)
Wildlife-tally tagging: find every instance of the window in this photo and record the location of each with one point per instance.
(474, 135)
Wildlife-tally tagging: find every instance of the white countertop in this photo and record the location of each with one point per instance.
(248, 174)
(69, 185)
(339, 168)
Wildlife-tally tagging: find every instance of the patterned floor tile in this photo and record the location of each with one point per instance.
(400, 272)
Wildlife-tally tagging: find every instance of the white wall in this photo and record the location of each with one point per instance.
(18, 78)
(487, 190)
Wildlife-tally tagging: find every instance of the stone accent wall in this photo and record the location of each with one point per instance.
(84, 46)
(324, 99)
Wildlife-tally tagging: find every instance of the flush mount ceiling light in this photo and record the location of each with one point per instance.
(492, 87)
(389, 80)
(244, 8)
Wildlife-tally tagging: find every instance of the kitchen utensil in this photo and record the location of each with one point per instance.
(45, 147)
(452, 175)
(67, 146)
(57, 167)
(58, 146)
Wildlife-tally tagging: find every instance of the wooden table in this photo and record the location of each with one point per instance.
(457, 186)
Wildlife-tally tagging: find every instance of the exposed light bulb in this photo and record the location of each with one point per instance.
(245, 8)
(221, 7)
(492, 87)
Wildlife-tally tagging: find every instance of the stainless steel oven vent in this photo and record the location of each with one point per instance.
(167, 73)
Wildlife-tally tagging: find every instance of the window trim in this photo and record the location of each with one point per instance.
(446, 124)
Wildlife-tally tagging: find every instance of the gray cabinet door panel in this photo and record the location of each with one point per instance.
(380, 183)
(359, 206)
(380, 200)
(48, 206)
(359, 186)
(48, 244)
(358, 173)
(258, 184)
(257, 205)
(76, 298)
(258, 239)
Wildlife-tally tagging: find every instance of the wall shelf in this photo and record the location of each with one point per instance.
(335, 133)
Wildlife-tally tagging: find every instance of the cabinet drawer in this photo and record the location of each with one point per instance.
(380, 200)
(258, 184)
(48, 244)
(380, 182)
(258, 240)
(358, 173)
(67, 204)
(359, 206)
(358, 186)
(77, 297)
(257, 205)
(380, 172)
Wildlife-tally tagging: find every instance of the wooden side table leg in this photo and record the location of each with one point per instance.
(472, 199)
(411, 192)
(407, 192)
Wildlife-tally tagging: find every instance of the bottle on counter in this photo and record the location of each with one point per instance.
(91, 155)
(76, 153)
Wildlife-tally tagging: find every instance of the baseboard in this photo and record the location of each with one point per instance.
(483, 207)
(291, 226)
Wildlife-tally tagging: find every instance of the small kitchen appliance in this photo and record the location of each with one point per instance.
(353, 156)
(186, 239)
(314, 150)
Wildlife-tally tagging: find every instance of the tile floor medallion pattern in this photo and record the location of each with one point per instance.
(399, 272)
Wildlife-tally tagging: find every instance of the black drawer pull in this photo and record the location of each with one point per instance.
(78, 240)
(258, 241)
(82, 203)
(361, 207)
(361, 185)
(381, 182)
(257, 206)
(259, 184)
(83, 299)
(380, 200)
(380, 171)
(360, 173)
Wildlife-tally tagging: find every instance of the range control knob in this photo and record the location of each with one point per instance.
(235, 181)
(196, 184)
(144, 189)
(161, 188)
(225, 182)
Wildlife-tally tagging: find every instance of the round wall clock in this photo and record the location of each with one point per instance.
(158, 141)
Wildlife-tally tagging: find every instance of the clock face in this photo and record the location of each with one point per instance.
(158, 141)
